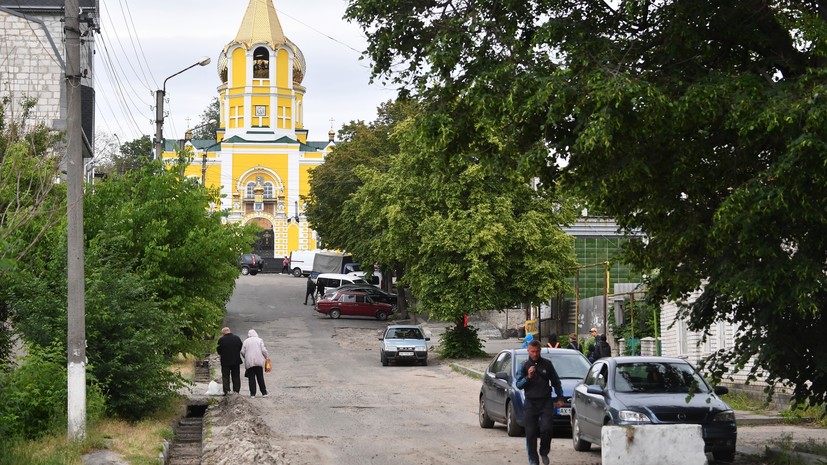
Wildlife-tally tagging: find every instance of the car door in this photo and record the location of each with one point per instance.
(592, 407)
(495, 391)
(363, 306)
(347, 304)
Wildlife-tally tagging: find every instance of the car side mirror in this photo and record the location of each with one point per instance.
(501, 375)
(595, 389)
(721, 390)
(381, 338)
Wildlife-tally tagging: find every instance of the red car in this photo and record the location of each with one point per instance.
(354, 303)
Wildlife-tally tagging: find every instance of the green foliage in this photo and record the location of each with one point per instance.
(682, 120)
(209, 122)
(646, 316)
(461, 342)
(35, 396)
(132, 156)
(159, 270)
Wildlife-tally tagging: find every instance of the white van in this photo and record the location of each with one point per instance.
(334, 280)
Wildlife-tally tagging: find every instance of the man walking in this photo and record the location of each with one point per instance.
(229, 349)
(311, 291)
(536, 377)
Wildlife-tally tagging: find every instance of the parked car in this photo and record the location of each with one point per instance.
(651, 390)
(353, 303)
(250, 263)
(500, 399)
(403, 343)
(335, 280)
(378, 295)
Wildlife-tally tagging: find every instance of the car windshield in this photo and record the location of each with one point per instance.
(404, 333)
(567, 365)
(658, 377)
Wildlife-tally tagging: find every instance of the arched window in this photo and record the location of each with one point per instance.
(268, 190)
(250, 189)
(261, 63)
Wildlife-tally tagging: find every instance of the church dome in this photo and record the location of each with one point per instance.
(261, 26)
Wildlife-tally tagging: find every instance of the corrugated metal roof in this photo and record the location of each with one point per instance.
(596, 226)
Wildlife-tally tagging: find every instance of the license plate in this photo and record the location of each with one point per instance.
(406, 354)
(564, 411)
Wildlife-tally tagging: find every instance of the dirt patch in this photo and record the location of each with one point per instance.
(238, 436)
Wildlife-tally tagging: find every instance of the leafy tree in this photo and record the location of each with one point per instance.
(30, 201)
(132, 155)
(698, 123)
(473, 238)
(209, 122)
(159, 271)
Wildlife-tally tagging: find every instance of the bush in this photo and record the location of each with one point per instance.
(35, 396)
(461, 342)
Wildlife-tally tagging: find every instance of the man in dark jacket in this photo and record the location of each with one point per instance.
(229, 349)
(536, 377)
(311, 291)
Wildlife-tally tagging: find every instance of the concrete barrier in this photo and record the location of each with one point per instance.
(652, 445)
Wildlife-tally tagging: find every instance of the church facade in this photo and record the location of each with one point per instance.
(261, 158)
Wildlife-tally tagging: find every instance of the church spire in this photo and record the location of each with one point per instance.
(261, 25)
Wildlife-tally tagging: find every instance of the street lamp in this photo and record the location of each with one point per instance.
(159, 107)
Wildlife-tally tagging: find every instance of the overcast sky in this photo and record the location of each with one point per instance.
(143, 42)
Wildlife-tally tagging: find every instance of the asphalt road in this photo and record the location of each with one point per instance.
(332, 402)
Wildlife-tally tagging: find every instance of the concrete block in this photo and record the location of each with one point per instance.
(652, 445)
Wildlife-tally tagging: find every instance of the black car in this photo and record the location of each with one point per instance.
(502, 401)
(378, 295)
(651, 391)
(250, 263)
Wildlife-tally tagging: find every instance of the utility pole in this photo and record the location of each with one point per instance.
(76, 331)
(159, 121)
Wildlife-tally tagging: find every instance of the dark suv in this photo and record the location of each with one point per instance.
(250, 263)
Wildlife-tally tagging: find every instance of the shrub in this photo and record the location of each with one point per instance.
(461, 342)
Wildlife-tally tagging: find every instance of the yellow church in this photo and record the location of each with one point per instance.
(262, 157)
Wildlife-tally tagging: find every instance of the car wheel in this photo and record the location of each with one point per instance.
(245, 271)
(511, 426)
(579, 444)
(381, 315)
(297, 272)
(253, 273)
(383, 358)
(726, 456)
(335, 313)
(425, 361)
(485, 420)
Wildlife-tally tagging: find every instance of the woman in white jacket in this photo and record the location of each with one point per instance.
(255, 354)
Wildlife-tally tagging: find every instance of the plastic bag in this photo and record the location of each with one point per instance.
(267, 366)
(214, 389)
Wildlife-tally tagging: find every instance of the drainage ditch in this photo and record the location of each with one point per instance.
(188, 431)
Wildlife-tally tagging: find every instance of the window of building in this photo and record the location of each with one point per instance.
(250, 190)
(261, 63)
(258, 206)
(268, 190)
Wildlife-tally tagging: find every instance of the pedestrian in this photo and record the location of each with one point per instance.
(552, 341)
(285, 265)
(311, 291)
(601, 348)
(255, 355)
(536, 376)
(229, 350)
(573, 344)
(320, 287)
(588, 347)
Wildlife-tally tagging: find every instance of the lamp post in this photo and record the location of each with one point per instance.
(159, 107)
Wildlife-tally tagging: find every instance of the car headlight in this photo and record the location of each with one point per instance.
(390, 348)
(727, 416)
(633, 417)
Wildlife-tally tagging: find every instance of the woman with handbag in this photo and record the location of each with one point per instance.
(255, 358)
